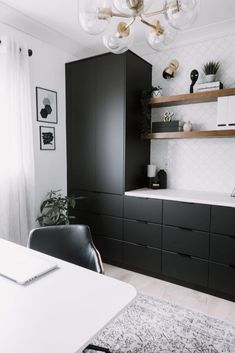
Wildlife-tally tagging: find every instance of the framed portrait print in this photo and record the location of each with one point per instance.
(47, 138)
(46, 105)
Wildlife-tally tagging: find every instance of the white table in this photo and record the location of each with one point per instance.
(60, 312)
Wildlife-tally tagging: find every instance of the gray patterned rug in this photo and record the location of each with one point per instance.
(151, 325)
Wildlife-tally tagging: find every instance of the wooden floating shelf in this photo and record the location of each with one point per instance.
(191, 98)
(190, 134)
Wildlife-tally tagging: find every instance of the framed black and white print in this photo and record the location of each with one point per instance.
(46, 103)
(47, 138)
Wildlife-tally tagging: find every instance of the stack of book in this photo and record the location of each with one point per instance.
(167, 126)
(209, 86)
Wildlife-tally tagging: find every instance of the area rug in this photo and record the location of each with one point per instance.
(152, 325)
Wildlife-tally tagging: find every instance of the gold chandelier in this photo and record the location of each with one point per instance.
(115, 20)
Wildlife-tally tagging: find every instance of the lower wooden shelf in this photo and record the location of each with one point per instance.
(190, 134)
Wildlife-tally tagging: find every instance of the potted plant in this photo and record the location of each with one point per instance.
(210, 69)
(55, 209)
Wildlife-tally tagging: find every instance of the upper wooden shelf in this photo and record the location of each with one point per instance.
(191, 98)
(190, 134)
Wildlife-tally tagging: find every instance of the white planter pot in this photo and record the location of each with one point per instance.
(210, 78)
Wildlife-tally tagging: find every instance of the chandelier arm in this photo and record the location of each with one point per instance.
(159, 12)
(119, 14)
(147, 23)
(130, 23)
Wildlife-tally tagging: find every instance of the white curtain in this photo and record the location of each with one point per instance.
(16, 143)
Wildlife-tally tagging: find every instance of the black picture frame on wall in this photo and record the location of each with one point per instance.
(46, 105)
(47, 138)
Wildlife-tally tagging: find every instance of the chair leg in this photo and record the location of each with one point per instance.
(97, 348)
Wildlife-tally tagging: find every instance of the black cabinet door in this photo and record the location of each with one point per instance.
(139, 208)
(190, 242)
(143, 258)
(110, 249)
(110, 117)
(222, 278)
(186, 215)
(223, 220)
(223, 249)
(81, 117)
(142, 233)
(184, 268)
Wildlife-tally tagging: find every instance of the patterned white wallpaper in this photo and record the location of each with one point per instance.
(195, 164)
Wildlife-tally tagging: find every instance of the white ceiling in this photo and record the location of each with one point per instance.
(61, 16)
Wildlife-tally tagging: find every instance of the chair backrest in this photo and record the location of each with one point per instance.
(72, 243)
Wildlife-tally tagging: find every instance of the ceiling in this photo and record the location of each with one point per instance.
(61, 16)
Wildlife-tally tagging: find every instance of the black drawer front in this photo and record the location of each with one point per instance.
(223, 249)
(108, 204)
(222, 278)
(187, 215)
(142, 233)
(100, 203)
(223, 220)
(189, 242)
(142, 209)
(142, 257)
(187, 269)
(110, 249)
(108, 226)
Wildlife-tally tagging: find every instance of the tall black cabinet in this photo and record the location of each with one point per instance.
(105, 153)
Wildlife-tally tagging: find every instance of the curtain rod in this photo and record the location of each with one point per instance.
(30, 52)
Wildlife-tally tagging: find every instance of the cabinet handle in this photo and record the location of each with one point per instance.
(185, 228)
(232, 236)
(140, 221)
(142, 245)
(185, 255)
(233, 266)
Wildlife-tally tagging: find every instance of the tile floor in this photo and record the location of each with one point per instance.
(208, 304)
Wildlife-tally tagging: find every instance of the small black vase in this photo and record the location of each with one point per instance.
(162, 177)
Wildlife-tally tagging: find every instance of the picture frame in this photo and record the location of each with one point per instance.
(46, 105)
(47, 138)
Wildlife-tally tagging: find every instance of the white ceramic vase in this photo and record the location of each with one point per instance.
(188, 126)
(210, 78)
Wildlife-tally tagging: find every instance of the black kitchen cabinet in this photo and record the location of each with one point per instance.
(105, 153)
(186, 215)
(223, 220)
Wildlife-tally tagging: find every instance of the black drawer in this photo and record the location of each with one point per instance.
(110, 249)
(143, 209)
(184, 268)
(100, 224)
(185, 241)
(223, 220)
(108, 226)
(223, 249)
(143, 258)
(142, 233)
(100, 203)
(222, 278)
(187, 215)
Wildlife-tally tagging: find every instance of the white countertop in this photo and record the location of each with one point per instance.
(208, 198)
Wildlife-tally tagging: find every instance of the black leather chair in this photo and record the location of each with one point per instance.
(72, 243)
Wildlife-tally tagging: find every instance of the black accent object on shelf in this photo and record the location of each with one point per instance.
(194, 77)
(167, 126)
(162, 177)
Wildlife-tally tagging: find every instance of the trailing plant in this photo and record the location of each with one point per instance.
(145, 123)
(211, 67)
(55, 209)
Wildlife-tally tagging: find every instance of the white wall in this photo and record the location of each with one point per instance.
(195, 164)
(47, 71)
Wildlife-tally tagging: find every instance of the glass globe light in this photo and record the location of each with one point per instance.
(94, 15)
(181, 13)
(161, 40)
(116, 42)
(128, 7)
